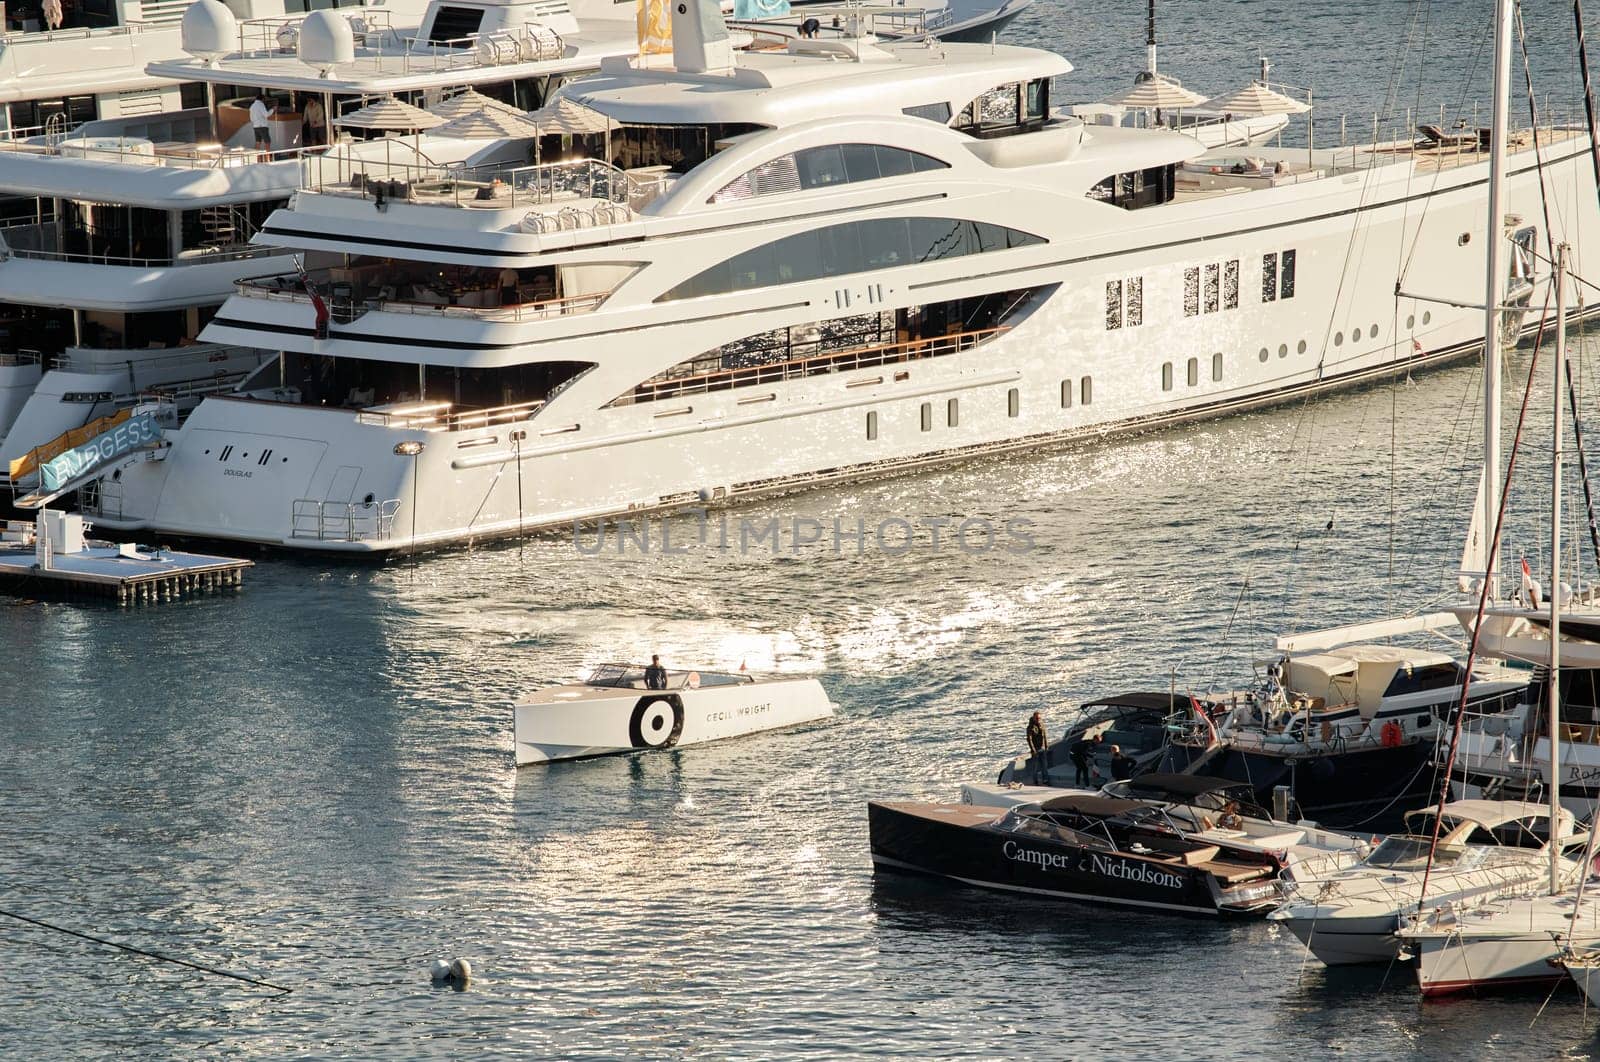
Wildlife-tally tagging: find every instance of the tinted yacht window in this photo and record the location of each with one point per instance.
(852, 247)
(822, 167)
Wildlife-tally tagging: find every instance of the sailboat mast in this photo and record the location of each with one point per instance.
(1557, 395)
(1494, 286)
(1150, 38)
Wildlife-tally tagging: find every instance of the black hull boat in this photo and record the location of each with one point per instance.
(1076, 847)
(1368, 789)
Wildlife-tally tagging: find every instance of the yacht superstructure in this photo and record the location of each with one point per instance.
(124, 236)
(787, 267)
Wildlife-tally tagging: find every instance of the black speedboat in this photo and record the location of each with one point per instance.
(1078, 846)
(1139, 723)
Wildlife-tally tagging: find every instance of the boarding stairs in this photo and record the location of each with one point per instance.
(80, 455)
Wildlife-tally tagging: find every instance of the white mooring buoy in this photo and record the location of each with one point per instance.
(457, 973)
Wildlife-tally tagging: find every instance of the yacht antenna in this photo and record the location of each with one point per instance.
(1557, 397)
(1495, 278)
(1149, 42)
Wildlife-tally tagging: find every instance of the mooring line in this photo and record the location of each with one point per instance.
(147, 954)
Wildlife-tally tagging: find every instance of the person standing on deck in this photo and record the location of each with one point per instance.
(655, 676)
(1081, 750)
(1037, 743)
(260, 114)
(1121, 766)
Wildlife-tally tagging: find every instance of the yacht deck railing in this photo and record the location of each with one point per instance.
(444, 416)
(496, 187)
(291, 288)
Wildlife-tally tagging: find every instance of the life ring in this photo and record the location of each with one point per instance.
(1391, 735)
(656, 723)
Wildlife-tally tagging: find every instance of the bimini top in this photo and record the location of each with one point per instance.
(1490, 814)
(1185, 785)
(783, 88)
(1093, 805)
(1163, 702)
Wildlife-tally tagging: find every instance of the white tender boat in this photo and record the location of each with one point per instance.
(615, 711)
(1487, 849)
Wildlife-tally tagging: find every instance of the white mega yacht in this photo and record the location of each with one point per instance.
(92, 65)
(125, 235)
(805, 264)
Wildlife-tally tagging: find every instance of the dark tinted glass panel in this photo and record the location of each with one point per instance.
(892, 162)
(933, 112)
(924, 163)
(1037, 99)
(820, 167)
(853, 247)
(1286, 288)
(860, 162)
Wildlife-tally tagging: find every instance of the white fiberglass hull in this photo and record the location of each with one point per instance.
(1449, 962)
(1338, 938)
(336, 481)
(604, 722)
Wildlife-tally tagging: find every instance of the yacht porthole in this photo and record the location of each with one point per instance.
(1301, 349)
(1411, 321)
(1283, 350)
(1338, 339)
(1264, 355)
(1373, 332)
(1427, 315)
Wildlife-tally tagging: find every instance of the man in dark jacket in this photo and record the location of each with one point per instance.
(1121, 766)
(1082, 750)
(655, 676)
(1037, 742)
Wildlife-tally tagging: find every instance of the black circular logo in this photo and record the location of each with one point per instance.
(657, 722)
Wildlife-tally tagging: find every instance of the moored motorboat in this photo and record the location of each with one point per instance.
(1486, 849)
(617, 710)
(1076, 846)
(1210, 809)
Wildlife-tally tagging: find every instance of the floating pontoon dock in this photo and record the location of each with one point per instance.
(125, 573)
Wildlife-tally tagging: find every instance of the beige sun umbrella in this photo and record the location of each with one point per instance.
(469, 102)
(1257, 99)
(488, 124)
(565, 116)
(1155, 92)
(391, 115)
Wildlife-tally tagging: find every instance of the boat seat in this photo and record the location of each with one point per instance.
(1199, 855)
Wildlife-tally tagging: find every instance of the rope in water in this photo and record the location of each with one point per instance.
(142, 952)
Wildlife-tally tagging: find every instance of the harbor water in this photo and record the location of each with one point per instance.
(310, 781)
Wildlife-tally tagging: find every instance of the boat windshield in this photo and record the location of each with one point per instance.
(1411, 853)
(632, 676)
(1031, 824)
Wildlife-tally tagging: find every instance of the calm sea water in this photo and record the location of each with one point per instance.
(311, 781)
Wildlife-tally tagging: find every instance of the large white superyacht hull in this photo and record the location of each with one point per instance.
(326, 478)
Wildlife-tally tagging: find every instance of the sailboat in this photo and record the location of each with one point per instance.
(1516, 940)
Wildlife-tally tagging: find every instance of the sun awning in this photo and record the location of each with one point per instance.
(389, 113)
(1256, 98)
(565, 116)
(487, 124)
(467, 103)
(1156, 91)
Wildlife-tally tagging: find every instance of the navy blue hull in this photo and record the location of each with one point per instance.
(1367, 789)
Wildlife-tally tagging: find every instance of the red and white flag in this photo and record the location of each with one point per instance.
(1530, 589)
(1201, 714)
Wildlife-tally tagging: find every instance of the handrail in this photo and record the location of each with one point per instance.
(440, 417)
(341, 521)
(841, 361)
(233, 253)
(271, 289)
(508, 186)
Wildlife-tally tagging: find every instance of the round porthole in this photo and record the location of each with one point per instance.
(1264, 355)
(1427, 315)
(1373, 332)
(368, 500)
(1411, 321)
(1301, 348)
(1283, 350)
(1338, 339)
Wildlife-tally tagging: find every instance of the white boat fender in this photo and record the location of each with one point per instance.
(457, 973)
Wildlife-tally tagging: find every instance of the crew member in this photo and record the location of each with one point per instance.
(260, 114)
(1036, 746)
(1121, 766)
(316, 123)
(655, 676)
(1081, 751)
